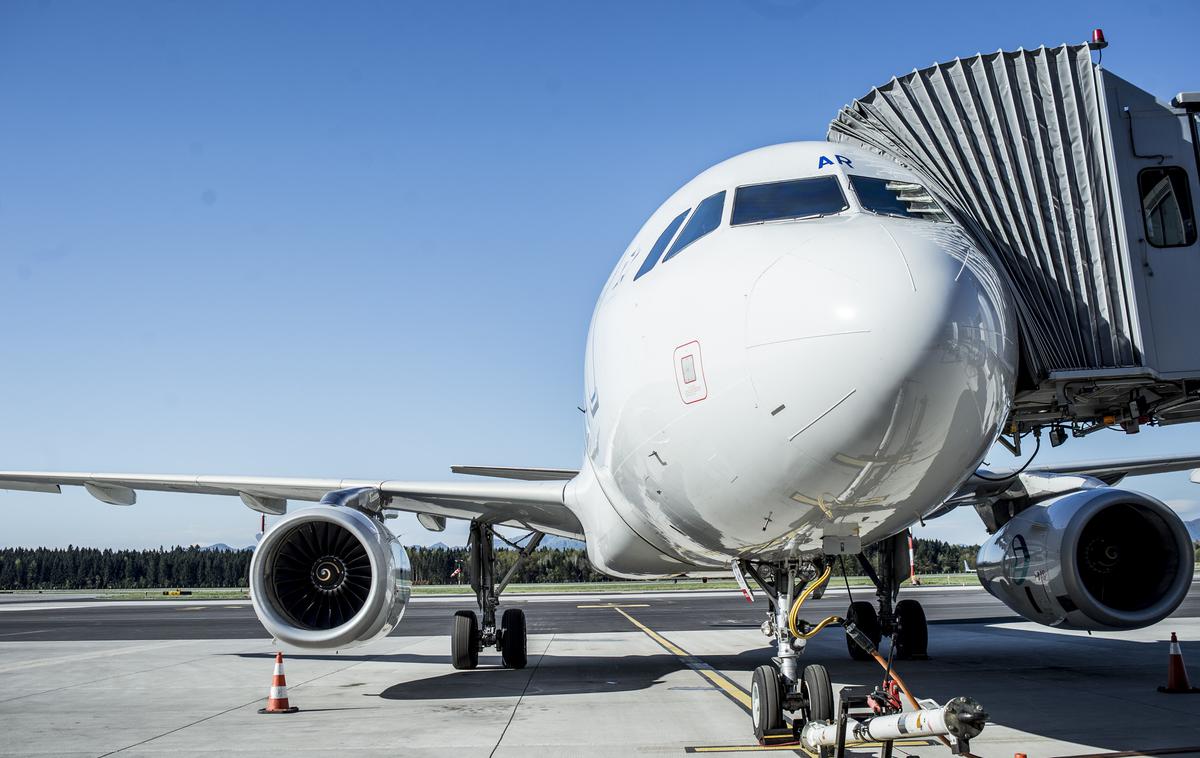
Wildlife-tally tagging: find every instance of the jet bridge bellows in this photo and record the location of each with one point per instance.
(1082, 189)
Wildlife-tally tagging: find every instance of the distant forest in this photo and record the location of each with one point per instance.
(82, 568)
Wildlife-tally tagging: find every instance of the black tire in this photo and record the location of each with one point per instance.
(766, 702)
(512, 639)
(464, 640)
(912, 634)
(818, 693)
(866, 619)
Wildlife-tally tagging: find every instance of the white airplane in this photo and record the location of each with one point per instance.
(798, 355)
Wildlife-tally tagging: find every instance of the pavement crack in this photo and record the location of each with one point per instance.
(521, 697)
(179, 728)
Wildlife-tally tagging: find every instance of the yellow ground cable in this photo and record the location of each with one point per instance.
(821, 625)
(808, 591)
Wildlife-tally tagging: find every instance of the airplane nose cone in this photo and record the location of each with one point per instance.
(893, 338)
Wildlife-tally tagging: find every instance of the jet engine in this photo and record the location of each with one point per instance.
(329, 577)
(1093, 559)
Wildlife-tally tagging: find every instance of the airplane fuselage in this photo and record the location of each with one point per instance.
(780, 382)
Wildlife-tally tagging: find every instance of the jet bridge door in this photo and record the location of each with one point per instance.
(1158, 190)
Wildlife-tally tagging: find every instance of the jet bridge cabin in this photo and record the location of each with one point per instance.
(1083, 189)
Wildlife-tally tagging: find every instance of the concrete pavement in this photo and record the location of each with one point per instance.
(596, 685)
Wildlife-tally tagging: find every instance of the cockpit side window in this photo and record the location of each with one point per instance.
(706, 218)
(664, 239)
(788, 201)
(891, 197)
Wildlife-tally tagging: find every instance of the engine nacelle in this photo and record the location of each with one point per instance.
(329, 577)
(1094, 559)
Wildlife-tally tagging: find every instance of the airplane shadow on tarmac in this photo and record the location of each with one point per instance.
(1091, 690)
(545, 675)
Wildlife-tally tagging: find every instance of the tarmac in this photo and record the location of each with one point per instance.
(608, 675)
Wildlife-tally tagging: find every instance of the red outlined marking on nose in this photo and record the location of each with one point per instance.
(689, 373)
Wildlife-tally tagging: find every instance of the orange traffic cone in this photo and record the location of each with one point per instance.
(1177, 678)
(277, 698)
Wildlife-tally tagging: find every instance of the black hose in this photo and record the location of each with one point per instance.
(1013, 475)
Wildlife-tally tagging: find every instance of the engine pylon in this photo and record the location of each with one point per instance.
(1177, 677)
(277, 698)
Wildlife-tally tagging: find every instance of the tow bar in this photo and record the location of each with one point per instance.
(962, 719)
(880, 715)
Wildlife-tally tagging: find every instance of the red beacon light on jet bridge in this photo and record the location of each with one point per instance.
(1098, 42)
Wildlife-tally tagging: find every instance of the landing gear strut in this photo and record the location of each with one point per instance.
(904, 621)
(782, 686)
(467, 635)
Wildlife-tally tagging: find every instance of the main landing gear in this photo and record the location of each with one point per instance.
(782, 686)
(904, 621)
(467, 635)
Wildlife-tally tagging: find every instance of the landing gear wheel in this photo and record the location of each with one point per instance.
(866, 619)
(766, 703)
(464, 640)
(912, 635)
(818, 693)
(512, 638)
(818, 698)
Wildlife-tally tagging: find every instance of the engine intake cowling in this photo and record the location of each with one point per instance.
(1094, 559)
(329, 577)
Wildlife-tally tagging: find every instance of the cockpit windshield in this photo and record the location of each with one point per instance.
(890, 197)
(786, 201)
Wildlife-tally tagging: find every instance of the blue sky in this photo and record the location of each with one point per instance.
(365, 239)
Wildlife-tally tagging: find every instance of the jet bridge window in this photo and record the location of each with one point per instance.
(890, 197)
(1167, 207)
(664, 239)
(788, 201)
(706, 218)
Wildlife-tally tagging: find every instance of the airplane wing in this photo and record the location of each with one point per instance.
(1113, 471)
(523, 504)
(1039, 482)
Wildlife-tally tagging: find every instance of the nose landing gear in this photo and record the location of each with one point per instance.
(467, 635)
(781, 687)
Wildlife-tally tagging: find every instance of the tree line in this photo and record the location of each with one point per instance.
(83, 568)
(87, 568)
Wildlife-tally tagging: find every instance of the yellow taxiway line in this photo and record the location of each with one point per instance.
(720, 681)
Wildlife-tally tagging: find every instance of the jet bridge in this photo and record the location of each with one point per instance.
(1082, 188)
